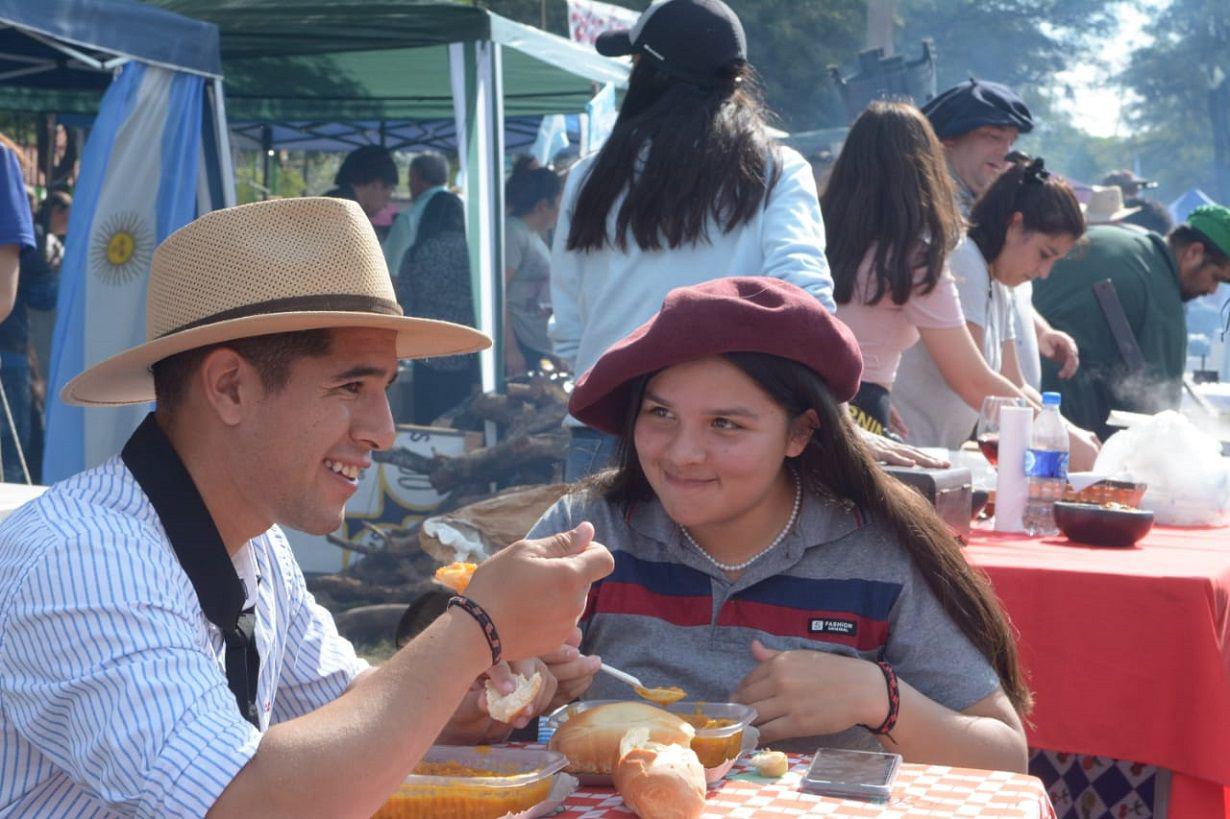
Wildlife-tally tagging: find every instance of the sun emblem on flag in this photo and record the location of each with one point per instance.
(122, 248)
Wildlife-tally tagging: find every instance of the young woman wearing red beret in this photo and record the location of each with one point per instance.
(761, 555)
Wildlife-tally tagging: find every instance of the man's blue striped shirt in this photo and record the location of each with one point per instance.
(113, 693)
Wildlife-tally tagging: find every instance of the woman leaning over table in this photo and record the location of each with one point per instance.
(891, 216)
(760, 554)
(1025, 222)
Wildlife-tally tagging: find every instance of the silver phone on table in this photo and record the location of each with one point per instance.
(852, 774)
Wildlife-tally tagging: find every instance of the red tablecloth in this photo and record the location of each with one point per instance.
(919, 791)
(1127, 650)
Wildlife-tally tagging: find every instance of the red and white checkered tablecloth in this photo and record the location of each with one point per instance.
(919, 791)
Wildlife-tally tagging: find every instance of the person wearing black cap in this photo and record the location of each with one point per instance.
(978, 122)
(1129, 183)
(688, 187)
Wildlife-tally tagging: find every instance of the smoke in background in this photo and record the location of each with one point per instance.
(1144, 391)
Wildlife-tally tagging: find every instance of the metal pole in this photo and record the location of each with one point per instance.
(880, 15)
(266, 159)
(49, 161)
(225, 158)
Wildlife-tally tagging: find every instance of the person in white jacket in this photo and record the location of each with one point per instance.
(689, 187)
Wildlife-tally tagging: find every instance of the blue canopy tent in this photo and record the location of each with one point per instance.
(156, 157)
(1191, 199)
(396, 135)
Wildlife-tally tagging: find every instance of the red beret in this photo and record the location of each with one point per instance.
(752, 314)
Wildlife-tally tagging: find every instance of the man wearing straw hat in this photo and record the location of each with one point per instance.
(159, 652)
(1134, 355)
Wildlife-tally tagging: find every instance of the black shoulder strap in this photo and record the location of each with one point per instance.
(1117, 321)
(201, 552)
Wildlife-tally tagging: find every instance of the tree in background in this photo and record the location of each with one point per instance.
(1021, 43)
(791, 42)
(1025, 44)
(1183, 80)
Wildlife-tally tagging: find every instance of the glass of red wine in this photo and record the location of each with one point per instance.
(987, 433)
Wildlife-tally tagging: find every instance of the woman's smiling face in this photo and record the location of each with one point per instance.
(712, 443)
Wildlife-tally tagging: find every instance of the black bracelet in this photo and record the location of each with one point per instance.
(478, 613)
(894, 703)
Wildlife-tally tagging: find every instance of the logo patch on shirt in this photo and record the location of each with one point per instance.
(832, 625)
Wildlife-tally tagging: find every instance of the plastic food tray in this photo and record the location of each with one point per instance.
(506, 781)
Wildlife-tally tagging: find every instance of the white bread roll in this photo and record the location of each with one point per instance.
(659, 781)
(770, 763)
(505, 708)
(591, 738)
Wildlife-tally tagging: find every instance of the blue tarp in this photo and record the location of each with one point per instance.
(1188, 202)
(124, 28)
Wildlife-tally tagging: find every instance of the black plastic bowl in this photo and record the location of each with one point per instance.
(1098, 526)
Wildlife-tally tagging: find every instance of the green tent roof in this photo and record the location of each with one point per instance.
(335, 60)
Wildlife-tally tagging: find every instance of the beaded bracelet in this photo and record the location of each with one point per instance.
(484, 620)
(894, 703)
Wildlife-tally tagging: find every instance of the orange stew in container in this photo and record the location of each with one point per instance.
(474, 783)
(712, 745)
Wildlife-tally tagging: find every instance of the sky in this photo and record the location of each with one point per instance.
(1096, 104)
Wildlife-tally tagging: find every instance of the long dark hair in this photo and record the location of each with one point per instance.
(443, 214)
(685, 154)
(1045, 202)
(889, 188)
(835, 464)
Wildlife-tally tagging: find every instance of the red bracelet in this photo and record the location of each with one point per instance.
(894, 703)
(484, 620)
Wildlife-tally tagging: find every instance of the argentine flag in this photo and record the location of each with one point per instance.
(139, 178)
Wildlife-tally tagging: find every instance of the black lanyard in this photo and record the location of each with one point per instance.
(163, 477)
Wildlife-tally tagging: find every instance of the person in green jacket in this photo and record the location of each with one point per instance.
(1153, 278)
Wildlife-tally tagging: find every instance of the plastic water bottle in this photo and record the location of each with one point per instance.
(1046, 466)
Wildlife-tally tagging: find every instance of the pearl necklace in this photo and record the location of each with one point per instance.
(738, 567)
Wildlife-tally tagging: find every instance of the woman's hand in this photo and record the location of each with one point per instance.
(806, 693)
(1060, 348)
(573, 670)
(888, 451)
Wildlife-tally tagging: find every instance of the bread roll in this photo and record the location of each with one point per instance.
(771, 763)
(659, 781)
(505, 708)
(591, 738)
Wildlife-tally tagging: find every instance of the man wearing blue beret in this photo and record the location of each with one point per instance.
(978, 122)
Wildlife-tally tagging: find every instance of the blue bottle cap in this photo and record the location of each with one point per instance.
(1050, 399)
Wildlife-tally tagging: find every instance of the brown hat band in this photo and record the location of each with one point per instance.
(321, 303)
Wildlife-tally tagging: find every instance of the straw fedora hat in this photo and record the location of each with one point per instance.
(1106, 205)
(253, 270)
